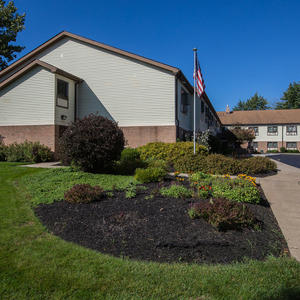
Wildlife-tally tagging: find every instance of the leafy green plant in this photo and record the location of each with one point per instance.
(223, 214)
(176, 191)
(237, 190)
(28, 152)
(84, 193)
(150, 175)
(131, 191)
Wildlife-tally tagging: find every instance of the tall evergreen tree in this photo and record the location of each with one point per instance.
(256, 102)
(11, 23)
(290, 98)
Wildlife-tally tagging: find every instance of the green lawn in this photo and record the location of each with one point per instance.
(37, 265)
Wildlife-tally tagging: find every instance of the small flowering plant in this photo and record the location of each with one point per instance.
(250, 179)
(177, 177)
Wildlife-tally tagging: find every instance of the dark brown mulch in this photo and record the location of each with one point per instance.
(159, 229)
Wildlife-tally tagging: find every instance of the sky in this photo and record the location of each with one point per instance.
(244, 46)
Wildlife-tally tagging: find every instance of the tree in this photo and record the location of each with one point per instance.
(290, 98)
(256, 102)
(243, 135)
(11, 23)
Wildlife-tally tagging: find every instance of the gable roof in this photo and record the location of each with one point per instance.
(260, 117)
(64, 34)
(40, 63)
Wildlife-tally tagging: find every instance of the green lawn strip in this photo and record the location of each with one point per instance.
(37, 265)
(50, 185)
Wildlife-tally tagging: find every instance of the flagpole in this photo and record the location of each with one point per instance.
(195, 52)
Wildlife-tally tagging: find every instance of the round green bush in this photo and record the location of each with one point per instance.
(150, 175)
(129, 162)
(83, 193)
(257, 165)
(92, 143)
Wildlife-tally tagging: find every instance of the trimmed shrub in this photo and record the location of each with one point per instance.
(176, 191)
(92, 143)
(150, 175)
(223, 214)
(220, 164)
(2, 153)
(190, 163)
(282, 149)
(28, 152)
(170, 152)
(129, 162)
(213, 163)
(257, 165)
(292, 151)
(84, 193)
(157, 163)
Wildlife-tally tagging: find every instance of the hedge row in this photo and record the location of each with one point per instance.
(220, 164)
(25, 152)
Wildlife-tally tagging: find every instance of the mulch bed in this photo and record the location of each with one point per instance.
(159, 229)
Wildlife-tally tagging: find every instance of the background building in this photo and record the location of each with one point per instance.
(273, 128)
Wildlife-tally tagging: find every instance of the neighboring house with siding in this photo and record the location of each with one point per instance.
(273, 128)
(69, 77)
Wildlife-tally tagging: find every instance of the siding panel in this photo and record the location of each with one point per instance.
(129, 92)
(29, 100)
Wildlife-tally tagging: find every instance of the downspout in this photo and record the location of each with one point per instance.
(76, 101)
(176, 107)
(281, 136)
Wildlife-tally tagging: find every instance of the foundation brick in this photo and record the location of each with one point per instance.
(140, 135)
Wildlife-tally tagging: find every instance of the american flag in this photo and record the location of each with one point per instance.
(200, 86)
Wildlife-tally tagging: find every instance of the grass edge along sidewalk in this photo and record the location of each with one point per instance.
(37, 265)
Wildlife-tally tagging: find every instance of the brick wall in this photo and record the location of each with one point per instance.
(49, 134)
(141, 135)
(45, 134)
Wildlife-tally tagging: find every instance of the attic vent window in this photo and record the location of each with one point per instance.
(62, 93)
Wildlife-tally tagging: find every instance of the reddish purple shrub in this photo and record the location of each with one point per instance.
(84, 193)
(92, 144)
(223, 214)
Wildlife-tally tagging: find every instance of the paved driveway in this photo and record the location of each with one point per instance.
(289, 159)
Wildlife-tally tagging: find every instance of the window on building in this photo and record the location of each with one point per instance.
(184, 102)
(62, 93)
(291, 130)
(202, 106)
(272, 130)
(255, 129)
(272, 146)
(291, 145)
(255, 146)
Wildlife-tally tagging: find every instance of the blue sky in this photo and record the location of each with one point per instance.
(245, 46)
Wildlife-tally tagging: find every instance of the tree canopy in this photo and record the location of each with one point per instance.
(256, 102)
(290, 98)
(11, 23)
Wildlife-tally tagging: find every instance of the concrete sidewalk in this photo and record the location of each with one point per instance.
(283, 193)
(46, 165)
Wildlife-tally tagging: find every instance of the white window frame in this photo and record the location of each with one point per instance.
(272, 131)
(291, 132)
(291, 148)
(273, 147)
